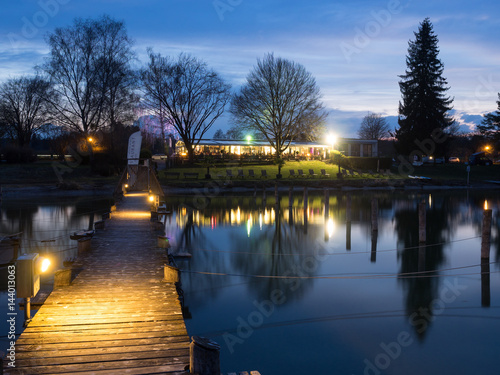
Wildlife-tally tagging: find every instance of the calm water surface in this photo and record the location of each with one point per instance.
(300, 291)
(46, 224)
(359, 302)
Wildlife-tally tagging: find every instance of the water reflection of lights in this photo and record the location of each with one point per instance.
(430, 201)
(260, 220)
(485, 204)
(330, 227)
(249, 226)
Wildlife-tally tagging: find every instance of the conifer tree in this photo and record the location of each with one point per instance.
(490, 126)
(423, 111)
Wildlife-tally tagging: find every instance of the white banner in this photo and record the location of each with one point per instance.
(134, 148)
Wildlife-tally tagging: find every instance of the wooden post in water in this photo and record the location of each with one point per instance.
(204, 356)
(422, 235)
(374, 215)
(327, 203)
(276, 194)
(305, 209)
(62, 277)
(84, 244)
(91, 221)
(348, 222)
(373, 257)
(170, 274)
(421, 257)
(485, 282)
(486, 234)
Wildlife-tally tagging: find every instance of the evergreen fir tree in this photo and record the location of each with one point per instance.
(423, 112)
(490, 126)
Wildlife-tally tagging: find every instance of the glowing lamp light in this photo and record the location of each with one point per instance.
(90, 139)
(332, 138)
(151, 198)
(126, 186)
(248, 138)
(485, 205)
(487, 148)
(42, 265)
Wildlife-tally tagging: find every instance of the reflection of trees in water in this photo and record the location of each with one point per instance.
(284, 249)
(421, 291)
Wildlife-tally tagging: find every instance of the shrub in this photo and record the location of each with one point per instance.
(14, 154)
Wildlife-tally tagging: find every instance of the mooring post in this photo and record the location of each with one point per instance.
(327, 203)
(204, 356)
(84, 244)
(373, 257)
(305, 209)
(348, 235)
(62, 277)
(486, 233)
(276, 194)
(348, 208)
(421, 257)
(348, 222)
(485, 282)
(374, 215)
(170, 274)
(422, 235)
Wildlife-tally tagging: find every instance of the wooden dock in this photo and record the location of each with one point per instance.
(117, 316)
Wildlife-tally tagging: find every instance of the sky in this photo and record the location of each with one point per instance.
(354, 49)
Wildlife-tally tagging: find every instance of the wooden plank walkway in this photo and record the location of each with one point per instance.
(117, 316)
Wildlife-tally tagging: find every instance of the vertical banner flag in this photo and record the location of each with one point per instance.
(134, 148)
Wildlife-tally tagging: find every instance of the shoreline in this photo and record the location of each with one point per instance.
(215, 187)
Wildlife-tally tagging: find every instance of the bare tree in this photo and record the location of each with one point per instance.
(23, 107)
(373, 126)
(219, 134)
(89, 65)
(281, 101)
(191, 95)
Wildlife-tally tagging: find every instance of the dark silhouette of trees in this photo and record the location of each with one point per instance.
(189, 95)
(373, 126)
(423, 111)
(89, 64)
(23, 107)
(281, 101)
(490, 126)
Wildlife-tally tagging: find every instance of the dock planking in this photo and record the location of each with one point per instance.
(117, 316)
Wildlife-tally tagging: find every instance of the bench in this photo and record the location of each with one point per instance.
(173, 174)
(193, 175)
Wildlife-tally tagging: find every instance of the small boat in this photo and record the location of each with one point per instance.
(81, 234)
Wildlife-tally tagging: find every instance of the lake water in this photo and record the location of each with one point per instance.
(300, 291)
(46, 224)
(360, 303)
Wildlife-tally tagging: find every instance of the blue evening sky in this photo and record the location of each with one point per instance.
(355, 49)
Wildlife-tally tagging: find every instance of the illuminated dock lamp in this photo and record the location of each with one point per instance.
(29, 267)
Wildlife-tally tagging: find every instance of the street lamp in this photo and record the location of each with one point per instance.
(332, 138)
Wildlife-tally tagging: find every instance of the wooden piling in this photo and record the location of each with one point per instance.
(99, 224)
(422, 235)
(327, 203)
(170, 274)
(204, 356)
(373, 257)
(486, 234)
(163, 242)
(485, 283)
(62, 278)
(276, 194)
(374, 215)
(348, 208)
(84, 244)
(421, 257)
(348, 235)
